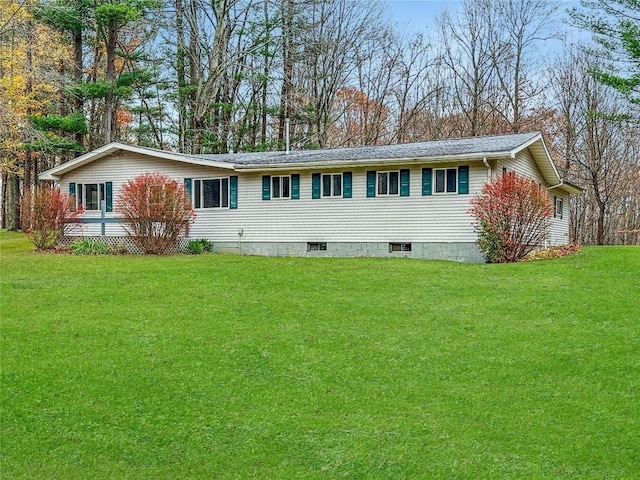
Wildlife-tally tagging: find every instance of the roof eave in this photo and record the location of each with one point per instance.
(568, 187)
(56, 173)
(323, 164)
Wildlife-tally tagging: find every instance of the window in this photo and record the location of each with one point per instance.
(93, 196)
(388, 183)
(557, 207)
(281, 186)
(316, 246)
(446, 180)
(399, 247)
(211, 193)
(331, 185)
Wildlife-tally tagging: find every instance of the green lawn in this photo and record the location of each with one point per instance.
(220, 366)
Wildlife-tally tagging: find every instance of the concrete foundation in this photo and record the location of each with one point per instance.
(458, 252)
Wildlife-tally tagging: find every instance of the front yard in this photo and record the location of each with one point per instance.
(220, 366)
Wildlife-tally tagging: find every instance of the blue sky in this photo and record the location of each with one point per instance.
(418, 14)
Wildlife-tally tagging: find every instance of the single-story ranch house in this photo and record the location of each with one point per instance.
(407, 200)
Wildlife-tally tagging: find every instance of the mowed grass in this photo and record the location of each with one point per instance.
(233, 367)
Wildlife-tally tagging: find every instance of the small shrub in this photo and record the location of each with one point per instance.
(47, 215)
(199, 246)
(512, 218)
(155, 211)
(120, 249)
(89, 246)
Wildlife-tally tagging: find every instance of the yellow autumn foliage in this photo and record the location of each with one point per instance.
(19, 36)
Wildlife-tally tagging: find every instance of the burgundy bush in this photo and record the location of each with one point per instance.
(512, 217)
(156, 211)
(47, 215)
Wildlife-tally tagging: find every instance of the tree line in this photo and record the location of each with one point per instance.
(221, 76)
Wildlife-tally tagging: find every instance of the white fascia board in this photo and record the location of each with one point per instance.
(325, 165)
(56, 173)
(538, 139)
(526, 144)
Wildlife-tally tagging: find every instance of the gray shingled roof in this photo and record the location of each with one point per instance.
(498, 144)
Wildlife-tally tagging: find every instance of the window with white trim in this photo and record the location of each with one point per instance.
(331, 184)
(389, 183)
(446, 180)
(211, 193)
(281, 186)
(558, 207)
(92, 196)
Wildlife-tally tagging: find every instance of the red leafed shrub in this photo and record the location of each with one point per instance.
(512, 218)
(47, 214)
(155, 211)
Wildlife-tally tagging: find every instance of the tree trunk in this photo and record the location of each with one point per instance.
(14, 202)
(5, 200)
(78, 61)
(181, 74)
(287, 65)
(109, 99)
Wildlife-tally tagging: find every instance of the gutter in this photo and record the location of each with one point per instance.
(356, 163)
(556, 186)
(486, 164)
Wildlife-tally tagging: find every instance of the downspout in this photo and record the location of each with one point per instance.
(486, 164)
(546, 241)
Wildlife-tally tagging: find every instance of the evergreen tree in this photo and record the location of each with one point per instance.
(616, 27)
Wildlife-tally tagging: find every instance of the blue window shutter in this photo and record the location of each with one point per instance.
(233, 191)
(555, 206)
(72, 193)
(404, 182)
(197, 191)
(371, 183)
(315, 185)
(560, 207)
(295, 186)
(347, 180)
(266, 187)
(187, 189)
(427, 174)
(108, 196)
(463, 179)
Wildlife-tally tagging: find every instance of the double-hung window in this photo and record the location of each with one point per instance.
(281, 186)
(558, 207)
(388, 183)
(445, 180)
(331, 185)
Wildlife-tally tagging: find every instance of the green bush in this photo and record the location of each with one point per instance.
(199, 246)
(89, 246)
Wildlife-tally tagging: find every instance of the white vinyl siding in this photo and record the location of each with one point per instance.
(559, 231)
(415, 218)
